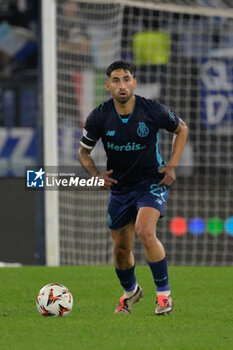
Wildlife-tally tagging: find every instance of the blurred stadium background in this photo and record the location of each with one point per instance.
(53, 55)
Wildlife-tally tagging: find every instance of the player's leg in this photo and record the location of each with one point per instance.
(124, 266)
(123, 244)
(145, 227)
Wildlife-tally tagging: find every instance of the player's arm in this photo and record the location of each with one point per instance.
(89, 166)
(179, 140)
(87, 162)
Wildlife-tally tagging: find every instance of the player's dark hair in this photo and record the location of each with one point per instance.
(126, 66)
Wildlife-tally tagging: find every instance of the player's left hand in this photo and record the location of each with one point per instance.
(169, 175)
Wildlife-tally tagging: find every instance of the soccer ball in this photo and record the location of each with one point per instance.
(54, 300)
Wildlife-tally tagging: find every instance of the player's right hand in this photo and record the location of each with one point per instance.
(108, 181)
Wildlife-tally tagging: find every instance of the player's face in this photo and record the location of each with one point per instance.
(121, 84)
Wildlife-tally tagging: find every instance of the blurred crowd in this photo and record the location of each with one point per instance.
(18, 35)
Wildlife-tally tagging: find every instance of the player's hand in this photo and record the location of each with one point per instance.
(169, 175)
(108, 181)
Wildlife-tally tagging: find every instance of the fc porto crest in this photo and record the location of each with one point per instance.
(142, 129)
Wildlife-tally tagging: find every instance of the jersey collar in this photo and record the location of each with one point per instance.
(125, 120)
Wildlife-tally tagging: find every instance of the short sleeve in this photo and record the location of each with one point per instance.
(91, 130)
(167, 119)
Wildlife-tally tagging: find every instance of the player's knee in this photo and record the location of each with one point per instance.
(145, 235)
(121, 253)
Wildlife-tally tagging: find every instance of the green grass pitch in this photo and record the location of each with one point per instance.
(202, 317)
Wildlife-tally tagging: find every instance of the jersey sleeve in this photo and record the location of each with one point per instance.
(91, 130)
(167, 119)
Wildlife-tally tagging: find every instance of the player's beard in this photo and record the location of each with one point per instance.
(125, 98)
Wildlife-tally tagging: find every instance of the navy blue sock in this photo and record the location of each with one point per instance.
(160, 274)
(127, 278)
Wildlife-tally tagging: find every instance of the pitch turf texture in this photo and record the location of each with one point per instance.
(202, 317)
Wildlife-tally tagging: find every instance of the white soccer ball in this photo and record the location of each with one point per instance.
(54, 300)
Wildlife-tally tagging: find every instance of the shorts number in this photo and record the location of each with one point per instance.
(158, 191)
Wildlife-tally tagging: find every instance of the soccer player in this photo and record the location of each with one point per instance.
(128, 126)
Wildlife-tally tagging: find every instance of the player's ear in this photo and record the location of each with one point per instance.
(107, 85)
(134, 83)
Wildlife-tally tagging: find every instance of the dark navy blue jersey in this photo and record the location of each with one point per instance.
(131, 143)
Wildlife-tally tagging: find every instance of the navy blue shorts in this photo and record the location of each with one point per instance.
(123, 207)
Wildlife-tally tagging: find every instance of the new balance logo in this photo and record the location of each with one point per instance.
(110, 133)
